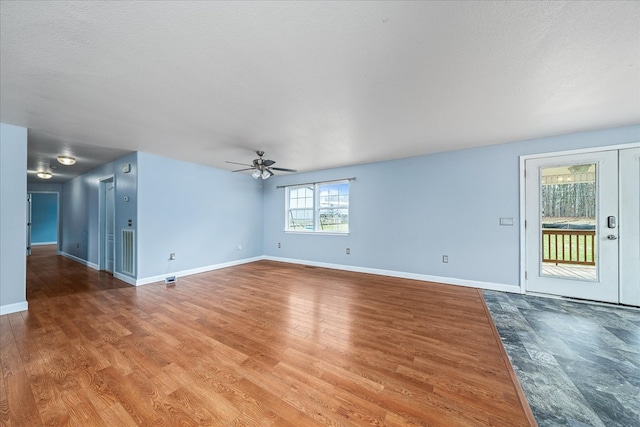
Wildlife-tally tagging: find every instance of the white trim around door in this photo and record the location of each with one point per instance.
(623, 187)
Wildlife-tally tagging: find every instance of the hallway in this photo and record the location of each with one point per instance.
(51, 276)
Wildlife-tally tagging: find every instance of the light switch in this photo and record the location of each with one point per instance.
(506, 221)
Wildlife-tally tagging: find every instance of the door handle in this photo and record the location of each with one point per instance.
(612, 237)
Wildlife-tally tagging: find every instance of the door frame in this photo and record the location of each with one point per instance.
(102, 261)
(630, 243)
(58, 219)
(29, 221)
(523, 159)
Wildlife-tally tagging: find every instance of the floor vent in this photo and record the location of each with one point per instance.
(128, 252)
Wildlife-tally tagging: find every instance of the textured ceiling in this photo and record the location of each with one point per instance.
(315, 84)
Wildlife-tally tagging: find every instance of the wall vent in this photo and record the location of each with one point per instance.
(128, 252)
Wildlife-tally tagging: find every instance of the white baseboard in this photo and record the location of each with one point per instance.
(161, 277)
(13, 308)
(43, 243)
(79, 260)
(391, 273)
(127, 279)
(401, 274)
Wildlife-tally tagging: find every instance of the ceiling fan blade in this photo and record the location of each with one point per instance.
(268, 162)
(285, 170)
(240, 170)
(236, 163)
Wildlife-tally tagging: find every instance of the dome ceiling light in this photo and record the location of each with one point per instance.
(67, 160)
(44, 175)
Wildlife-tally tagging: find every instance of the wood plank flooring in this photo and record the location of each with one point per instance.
(262, 344)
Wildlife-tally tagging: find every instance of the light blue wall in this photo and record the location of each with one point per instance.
(44, 218)
(43, 187)
(199, 213)
(13, 218)
(405, 214)
(80, 209)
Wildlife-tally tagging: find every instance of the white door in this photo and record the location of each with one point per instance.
(110, 218)
(571, 214)
(630, 226)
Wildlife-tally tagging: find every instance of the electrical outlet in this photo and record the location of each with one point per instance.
(445, 258)
(77, 245)
(279, 245)
(172, 256)
(239, 247)
(348, 251)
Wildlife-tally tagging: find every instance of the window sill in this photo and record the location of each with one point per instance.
(316, 233)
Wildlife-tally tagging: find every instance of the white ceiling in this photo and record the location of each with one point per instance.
(315, 84)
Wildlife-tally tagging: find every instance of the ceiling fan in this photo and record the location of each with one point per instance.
(263, 167)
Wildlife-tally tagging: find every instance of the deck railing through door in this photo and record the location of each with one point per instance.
(569, 246)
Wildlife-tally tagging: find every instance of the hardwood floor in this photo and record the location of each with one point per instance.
(260, 344)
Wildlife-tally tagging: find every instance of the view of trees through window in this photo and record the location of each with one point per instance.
(568, 214)
(320, 207)
(573, 202)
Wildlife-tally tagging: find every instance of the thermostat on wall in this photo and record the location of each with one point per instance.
(126, 168)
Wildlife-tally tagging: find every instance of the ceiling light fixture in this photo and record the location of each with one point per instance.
(261, 172)
(67, 160)
(44, 175)
(261, 167)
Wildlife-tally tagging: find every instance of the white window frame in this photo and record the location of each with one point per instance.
(316, 207)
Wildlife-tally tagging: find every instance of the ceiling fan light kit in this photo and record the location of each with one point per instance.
(262, 168)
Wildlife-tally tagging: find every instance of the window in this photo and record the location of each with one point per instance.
(321, 207)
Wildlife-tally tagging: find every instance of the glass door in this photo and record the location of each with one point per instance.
(571, 232)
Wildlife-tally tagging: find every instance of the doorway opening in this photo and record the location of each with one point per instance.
(43, 219)
(107, 219)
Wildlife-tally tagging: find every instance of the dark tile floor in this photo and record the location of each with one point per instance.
(578, 364)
